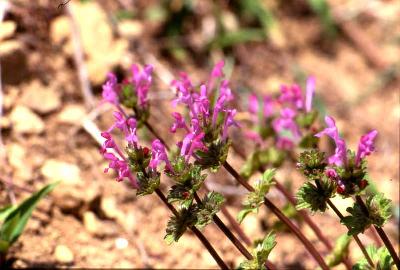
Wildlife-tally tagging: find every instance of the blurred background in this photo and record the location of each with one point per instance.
(55, 56)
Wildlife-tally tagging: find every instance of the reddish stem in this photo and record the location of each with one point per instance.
(308, 245)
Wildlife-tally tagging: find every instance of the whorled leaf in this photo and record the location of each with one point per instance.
(211, 204)
(177, 225)
(379, 211)
(147, 183)
(315, 197)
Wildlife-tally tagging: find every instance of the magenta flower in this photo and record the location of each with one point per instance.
(229, 121)
(201, 103)
(192, 141)
(287, 129)
(340, 156)
(268, 108)
(253, 104)
(128, 127)
(142, 82)
(310, 90)
(158, 155)
(119, 165)
(179, 122)
(225, 95)
(217, 72)
(366, 145)
(110, 89)
(291, 96)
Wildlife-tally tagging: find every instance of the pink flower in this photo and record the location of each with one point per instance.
(110, 89)
(229, 121)
(268, 108)
(310, 90)
(340, 156)
(253, 104)
(158, 154)
(216, 73)
(127, 126)
(366, 145)
(119, 165)
(287, 129)
(142, 82)
(192, 141)
(291, 96)
(179, 122)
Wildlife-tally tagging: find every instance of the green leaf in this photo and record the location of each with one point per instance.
(5, 211)
(256, 198)
(380, 257)
(16, 220)
(315, 197)
(147, 183)
(211, 204)
(263, 250)
(379, 211)
(260, 253)
(340, 251)
(243, 213)
(177, 225)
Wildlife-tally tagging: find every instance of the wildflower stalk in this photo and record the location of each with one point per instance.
(381, 233)
(291, 199)
(233, 238)
(199, 235)
(308, 245)
(227, 232)
(221, 225)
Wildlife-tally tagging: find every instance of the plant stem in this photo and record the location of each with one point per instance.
(381, 233)
(356, 238)
(309, 246)
(232, 237)
(199, 235)
(227, 232)
(236, 227)
(291, 199)
(217, 220)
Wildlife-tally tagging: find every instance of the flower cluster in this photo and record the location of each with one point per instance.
(286, 114)
(132, 93)
(208, 117)
(347, 169)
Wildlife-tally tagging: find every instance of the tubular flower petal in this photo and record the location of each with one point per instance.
(366, 145)
(158, 154)
(310, 90)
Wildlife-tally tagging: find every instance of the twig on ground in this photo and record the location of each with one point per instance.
(79, 60)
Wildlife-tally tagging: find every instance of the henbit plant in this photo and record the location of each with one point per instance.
(345, 173)
(279, 126)
(14, 218)
(204, 148)
(193, 212)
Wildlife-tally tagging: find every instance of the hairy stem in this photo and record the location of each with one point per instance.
(381, 233)
(227, 232)
(291, 199)
(308, 245)
(199, 235)
(356, 238)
